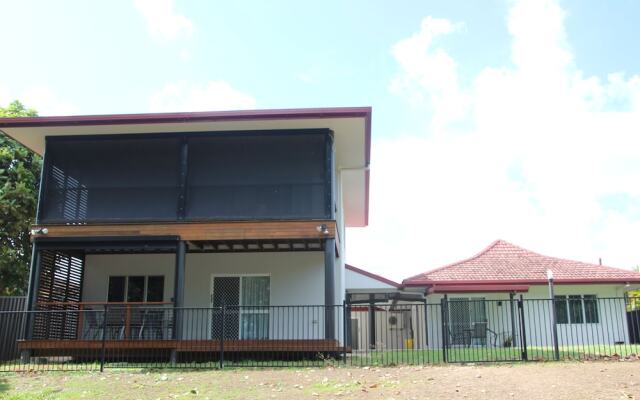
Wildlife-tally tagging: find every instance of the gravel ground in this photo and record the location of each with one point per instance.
(561, 380)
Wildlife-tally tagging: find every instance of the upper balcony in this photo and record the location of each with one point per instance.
(208, 167)
(205, 176)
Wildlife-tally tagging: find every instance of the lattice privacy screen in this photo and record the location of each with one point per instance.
(60, 283)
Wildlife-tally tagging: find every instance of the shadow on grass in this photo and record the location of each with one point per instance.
(4, 385)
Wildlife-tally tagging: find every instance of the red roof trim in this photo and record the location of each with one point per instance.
(372, 275)
(478, 288)
(427, 282)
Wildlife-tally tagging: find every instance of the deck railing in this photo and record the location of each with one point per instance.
(124, 320)
(104, 335)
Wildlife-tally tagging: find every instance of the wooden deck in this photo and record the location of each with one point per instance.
(234, 346)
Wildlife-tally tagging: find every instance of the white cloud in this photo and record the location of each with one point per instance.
(429, 75)
(542, 146)
(5, 96)
(40, 98)
(46, 102)
(163, 22)
(212, 96)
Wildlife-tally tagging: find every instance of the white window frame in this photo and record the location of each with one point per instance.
(126, 285)
(567, 301)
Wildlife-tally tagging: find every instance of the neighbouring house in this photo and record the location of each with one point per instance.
(172, 220)
(381, 315)
(482, 293)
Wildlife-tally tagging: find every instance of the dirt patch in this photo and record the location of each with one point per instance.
(589, 380)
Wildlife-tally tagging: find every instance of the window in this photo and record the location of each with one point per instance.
(591, 309)
(576, 309)
(562, 315)
(138, 289)
(116, 289)
(155, 288)
(135, 289)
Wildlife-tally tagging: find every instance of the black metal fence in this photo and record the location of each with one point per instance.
(10, 325)
(453, 330)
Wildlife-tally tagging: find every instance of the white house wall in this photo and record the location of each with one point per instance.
(357, 281)
(297, 279)
(612, 326)
(388, 337)
(98, 269)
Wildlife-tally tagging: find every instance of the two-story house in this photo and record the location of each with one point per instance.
(189, 213)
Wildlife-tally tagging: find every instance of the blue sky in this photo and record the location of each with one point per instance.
(492, 119)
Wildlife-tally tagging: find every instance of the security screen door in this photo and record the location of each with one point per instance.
(463, 313)
(246, 301)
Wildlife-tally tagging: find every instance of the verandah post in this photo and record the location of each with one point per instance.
(32, 298)
(178, 294)
(346, 331)
(329, 288)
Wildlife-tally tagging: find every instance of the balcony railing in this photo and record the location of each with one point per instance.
(118, 320)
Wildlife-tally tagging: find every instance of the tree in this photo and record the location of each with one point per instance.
(19, 182)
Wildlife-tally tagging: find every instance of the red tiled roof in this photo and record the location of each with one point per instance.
(503, 262)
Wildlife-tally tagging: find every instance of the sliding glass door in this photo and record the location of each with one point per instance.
(246, 301)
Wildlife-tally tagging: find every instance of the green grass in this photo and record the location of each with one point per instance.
(491, 354)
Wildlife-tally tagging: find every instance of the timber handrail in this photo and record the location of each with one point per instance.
(103, 303)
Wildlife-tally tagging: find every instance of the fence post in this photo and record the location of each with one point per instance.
(345, 327)
(104, 336)
(426, 325)
(554, 320)
(222, 338)
(444, 327)
(523, 330)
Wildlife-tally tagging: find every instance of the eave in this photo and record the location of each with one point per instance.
(581, 281)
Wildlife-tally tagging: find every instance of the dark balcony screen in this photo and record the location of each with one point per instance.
(223, 176)
(258, 176)
(104, 179)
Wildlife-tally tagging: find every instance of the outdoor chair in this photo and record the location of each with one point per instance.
(115, 323)
(481, 331)
(152, 325)
(92, 329)
(458, 337)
